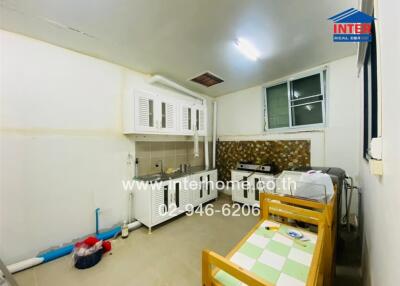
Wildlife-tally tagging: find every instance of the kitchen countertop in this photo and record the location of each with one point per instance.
(165, 177)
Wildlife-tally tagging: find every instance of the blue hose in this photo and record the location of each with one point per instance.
(97, 220)
(109, 234)
(65, 250)
(56, 253)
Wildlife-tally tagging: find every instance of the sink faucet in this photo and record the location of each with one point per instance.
(160, 164)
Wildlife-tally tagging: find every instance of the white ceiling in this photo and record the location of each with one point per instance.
(182, 38)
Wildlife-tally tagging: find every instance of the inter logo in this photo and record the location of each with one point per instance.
(352, 26)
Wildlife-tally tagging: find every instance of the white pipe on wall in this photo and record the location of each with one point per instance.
(162, 80)
(170, 83)
(25, 264)
(134, 225)
(206, 157)
(28, 263)
(196, 144)
(214, 151)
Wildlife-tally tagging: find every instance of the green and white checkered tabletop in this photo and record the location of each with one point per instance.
(273, 256)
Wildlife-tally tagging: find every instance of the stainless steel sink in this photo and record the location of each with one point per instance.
(158, 177)
(151, 178)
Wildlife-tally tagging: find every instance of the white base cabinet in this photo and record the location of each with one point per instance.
(169, 199)
(206, 189)
(248, 193)
(158, 202)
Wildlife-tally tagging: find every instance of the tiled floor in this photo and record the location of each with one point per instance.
(349, 260)
(170, 256)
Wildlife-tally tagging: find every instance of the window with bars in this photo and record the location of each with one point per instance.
(296, 103)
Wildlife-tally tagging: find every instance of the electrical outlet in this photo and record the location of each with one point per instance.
(376, 167)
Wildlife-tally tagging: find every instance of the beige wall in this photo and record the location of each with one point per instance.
(63, 153)
(381, 194)
(171, 153)
(241, 117)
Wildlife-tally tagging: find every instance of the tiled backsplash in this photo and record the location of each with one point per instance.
(172, 153)
(284, 154)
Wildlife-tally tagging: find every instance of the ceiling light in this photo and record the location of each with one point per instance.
(247, 49)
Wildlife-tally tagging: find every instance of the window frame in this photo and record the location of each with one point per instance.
(370, 100)
(323, 71)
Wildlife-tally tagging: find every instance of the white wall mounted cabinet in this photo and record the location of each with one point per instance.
(149, 113)
(199, 119)
(158, 202)
(192, 119)
(186, 118)
(167, 111)
(145, 111)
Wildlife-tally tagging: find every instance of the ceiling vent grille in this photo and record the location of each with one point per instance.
(207, 79)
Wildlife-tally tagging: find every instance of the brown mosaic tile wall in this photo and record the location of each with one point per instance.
(284, 154)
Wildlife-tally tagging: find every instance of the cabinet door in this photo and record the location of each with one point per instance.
(213, 178)
(236, 191)
(202, 188)
(199, 194)
(246, 192)
(145, 111)
(166, 115)
(210, 186)
(185, 195)
(257, 190)
(161, 201)
(193, 190)
(186, 120)
(180, 197)
(241, 191)
(259, 184)
(198, 115)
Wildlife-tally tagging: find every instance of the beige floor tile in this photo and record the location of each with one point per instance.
(170, 256)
